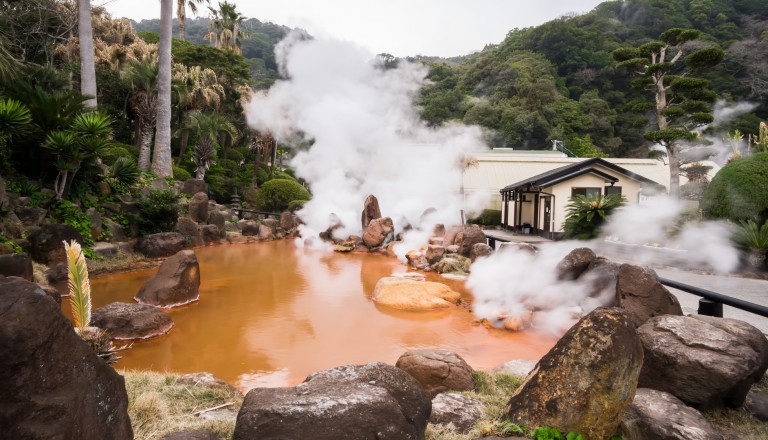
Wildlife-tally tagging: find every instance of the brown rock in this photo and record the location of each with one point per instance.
(480, 250)
(194, 186)
(249, 227)
(575, 263)
(353, 402)
(437, 370)
(191, 434)
(586, 381)
(371, 211)
(236, 238)
(115, 230)
(656, 415)
(16, 265)
(217, 218)
(434, 254)
(46, 243)
(286, 221)
(176, 283)
(408, 294)
(455, 409)
(757, 405)
(211, 234)
(702, 360)
(265, 232)
(639, 292)
(31, 216)
(439, 231)
(53, 385)
(417, 260)
(96, 223)
(163, 244)
(131, 321)
(468, 237)
(450, 235)
(198, 207)
(190, 229)
(601, 276)
(379, 232)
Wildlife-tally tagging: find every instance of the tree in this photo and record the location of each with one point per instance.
(196, 89)
(87, 61)
(161, 158)
(225, 27)
(181, 11)
(143, 79)
(208, 127)
(681, 102)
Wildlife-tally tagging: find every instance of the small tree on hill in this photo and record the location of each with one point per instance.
(681, 102)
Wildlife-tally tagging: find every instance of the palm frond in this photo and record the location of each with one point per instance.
(79, 286)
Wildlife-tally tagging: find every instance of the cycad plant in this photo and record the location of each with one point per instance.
(203, 155)
(80, 301)
(587, 214)
(14, 120)
(754, 238)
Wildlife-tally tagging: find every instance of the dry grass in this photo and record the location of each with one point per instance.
(738, 424)
(38, 274)
(157, 405)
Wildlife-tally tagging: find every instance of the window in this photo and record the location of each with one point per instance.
(586, 192)
(609, 190)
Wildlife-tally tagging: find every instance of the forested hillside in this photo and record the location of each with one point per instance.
(559, 81)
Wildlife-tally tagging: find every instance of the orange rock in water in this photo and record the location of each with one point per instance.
(414, 295)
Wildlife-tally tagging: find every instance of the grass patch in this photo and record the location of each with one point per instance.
(157, 405)
(738, 424)
(123, 261)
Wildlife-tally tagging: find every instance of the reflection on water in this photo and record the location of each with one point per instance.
(270, 313)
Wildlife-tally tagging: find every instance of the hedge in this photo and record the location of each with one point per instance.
(739, 191)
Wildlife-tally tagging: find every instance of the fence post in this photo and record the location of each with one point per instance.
(710, 308)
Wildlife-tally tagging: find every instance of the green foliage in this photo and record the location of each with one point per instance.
(151, 37)
(585, 215)
(123, 173)
(10, 243)
(159, 211)
(751, 236)
(181, 174)
(276, 194)
(295, 205)
(739, 191)
(64, 211)
(489, 217)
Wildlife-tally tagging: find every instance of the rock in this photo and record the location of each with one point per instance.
(480, 250)
(56, 273)
(194, 186)
(516, 367)
(371, 211)
(198, 207)
(211, 234)
(112, 207)
(249, 227)
(46, 243)
(379, 232)
(105, 250)
(417, 260)
(450, 235)
(434, 254)
(435, 241)
(190, 229)
(452, 249)
(353, 402)
(575, 263)
(52, 293)
(586, 381)
(53, 385)
(208, 380)
(702, 360)
(439, 232)
(455, 409)
(31, 216)
(191, 434)
(16, 265)
(468, 237)
(130, 208)
(602, 275)
(265, 232)
(217, 218)
(408, 294)
(639, 292)
(116, 231)
(514, 246)
(163, 244)
(175, 284)
(96, 223)
(437, 370)
(131, 321)
(455, 264)
(286, 221)
(757, 405)
(11, 226)
(656, 415)
(236, 238)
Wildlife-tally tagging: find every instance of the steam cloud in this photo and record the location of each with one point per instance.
(366, 137)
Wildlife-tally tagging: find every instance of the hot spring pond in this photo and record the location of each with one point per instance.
(271, 313)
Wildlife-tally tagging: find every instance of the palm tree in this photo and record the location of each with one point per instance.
(209, 127)
(161, 159)
(143, 79)
(181, 12)
(195, 89)
(203, 156)
(8, 64)
(224, 30)
(87, 61)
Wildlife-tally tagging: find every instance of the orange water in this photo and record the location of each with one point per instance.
(270, 313)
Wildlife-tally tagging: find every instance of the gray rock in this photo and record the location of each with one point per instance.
(191, 434)
(517, 367)
(96, 223)
(249, 227)
(211, 234)
(455, 409)
(116, 231)
(207, 380)
(656, 415)
(575, 263)
(131, 321)
(31, 216)
(105, 250)
(437, 370)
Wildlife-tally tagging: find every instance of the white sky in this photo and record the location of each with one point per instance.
(400, 27)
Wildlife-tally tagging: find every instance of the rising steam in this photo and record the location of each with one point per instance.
(366, 137)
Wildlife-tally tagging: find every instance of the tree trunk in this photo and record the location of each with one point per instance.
(183, 141)
(161, 158)
(674, 172)
(181, 13)
(145, 148)
(87, 61)
(256, 164)
(200, 174)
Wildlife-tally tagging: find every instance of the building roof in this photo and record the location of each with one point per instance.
(557, 175)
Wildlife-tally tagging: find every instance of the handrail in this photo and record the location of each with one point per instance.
(756, 309)
(241, 210)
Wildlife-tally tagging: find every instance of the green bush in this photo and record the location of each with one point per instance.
(181, 174)
(489, 217)
(234, 155)
(66, 212)
(739, 191)
(295, 205)
(159, 211)
(276, 194)
(116, 151)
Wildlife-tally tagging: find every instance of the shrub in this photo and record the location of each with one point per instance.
(181, 174)
(159, 211)
(276, 194)
(739, 191)
(114, 152)
(295, 205)
(66, 212)
(587, 214)
(489, 217)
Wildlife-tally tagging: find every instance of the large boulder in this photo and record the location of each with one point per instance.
(31, 216)
(198, 207)
(268, 229)
(249, 227)
(455, 409)
(96, 223)
(190, 229)
(601, 277)
(53, 384)
(639, 292)
(287, 221)
(371, 211)
(211, 234)
(352, 402)
(402, 293)
(656, 415)
(116, 232)
(480, 250)
(16, 265)
(131, 321)
(575, 263)
(702, 360)
(586, 381)
(434, 254)
(468, 237)
(46, 243)
(379, 232)
(176, 283)
(217, 218)
(449, 238)
(194, 186)
(162, 244)
(437, 370)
